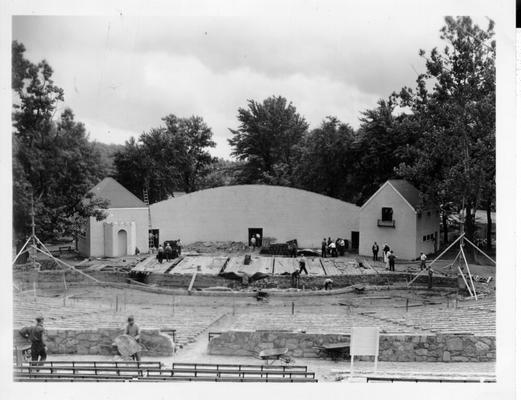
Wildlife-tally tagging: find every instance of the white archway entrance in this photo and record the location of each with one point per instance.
(122, 243)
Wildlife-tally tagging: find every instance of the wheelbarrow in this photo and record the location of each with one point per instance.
(276, 354)
(336, 351)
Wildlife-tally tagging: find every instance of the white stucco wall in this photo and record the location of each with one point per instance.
(226, 213)
(96, 234)
(426, 225)
(402, 238)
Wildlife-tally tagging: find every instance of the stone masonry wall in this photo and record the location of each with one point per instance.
(99, 341)
(446, 348)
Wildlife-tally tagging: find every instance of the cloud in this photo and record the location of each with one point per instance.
(123, 74)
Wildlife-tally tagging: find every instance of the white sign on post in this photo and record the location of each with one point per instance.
(364, 342)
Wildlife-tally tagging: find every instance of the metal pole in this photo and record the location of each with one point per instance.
(481, 251)
(468, 270)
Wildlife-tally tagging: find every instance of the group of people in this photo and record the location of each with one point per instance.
(168, 252)
(255, 241)
(333, 248)
(389, 258)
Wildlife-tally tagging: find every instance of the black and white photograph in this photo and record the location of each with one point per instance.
(301, 195)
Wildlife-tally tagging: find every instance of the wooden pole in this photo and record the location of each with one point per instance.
(481, 251)
(464, 280)
(468, 270)
(436, 259)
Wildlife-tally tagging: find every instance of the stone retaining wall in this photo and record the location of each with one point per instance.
(99, 341)
(432, 348)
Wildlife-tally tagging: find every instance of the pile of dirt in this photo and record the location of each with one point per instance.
(216, 247)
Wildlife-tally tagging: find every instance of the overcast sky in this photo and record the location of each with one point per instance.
(122, 74)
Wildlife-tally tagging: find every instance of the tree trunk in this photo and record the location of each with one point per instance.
(489, 225)
(469, 223)
(445, 228)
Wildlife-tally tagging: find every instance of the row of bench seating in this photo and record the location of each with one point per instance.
(154, 371)
(426, 380)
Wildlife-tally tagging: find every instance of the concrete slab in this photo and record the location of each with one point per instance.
(209, 265)
(285, 265)
(236, 264)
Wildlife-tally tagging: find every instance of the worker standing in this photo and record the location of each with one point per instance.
(133, 330)
(168, 252)
(391, 258)
(160, 254)
(423, 261)
(35, 336)
(324, 248)
(375, 251)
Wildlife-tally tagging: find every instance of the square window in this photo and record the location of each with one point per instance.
(387, 214)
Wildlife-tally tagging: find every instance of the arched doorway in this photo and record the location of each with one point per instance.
(122, 243)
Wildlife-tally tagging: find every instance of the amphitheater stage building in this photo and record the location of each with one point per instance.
(280, 214)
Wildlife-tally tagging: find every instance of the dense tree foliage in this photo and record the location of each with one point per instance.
(53, 160)
(171, 158)
(326, 160)
(454, 102)
(266, 140)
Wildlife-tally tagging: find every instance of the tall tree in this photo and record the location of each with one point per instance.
(266, 140)
(326, 159)
(383, 141)
(167, 159)
(52, 160)
(455, 102)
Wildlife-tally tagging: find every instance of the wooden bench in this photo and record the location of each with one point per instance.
(137, 364)
(240, 367)
(231, 372)
(99, 378)
(432, 380)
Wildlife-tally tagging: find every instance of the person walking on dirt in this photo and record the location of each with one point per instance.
(160, 254)
(324, 248)
(35, 336)
(375, 251)
(133, 330)
(423, 261)
(168, 252)
(258, 240)
(391, 258)
(252, 243)
(302, 264)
